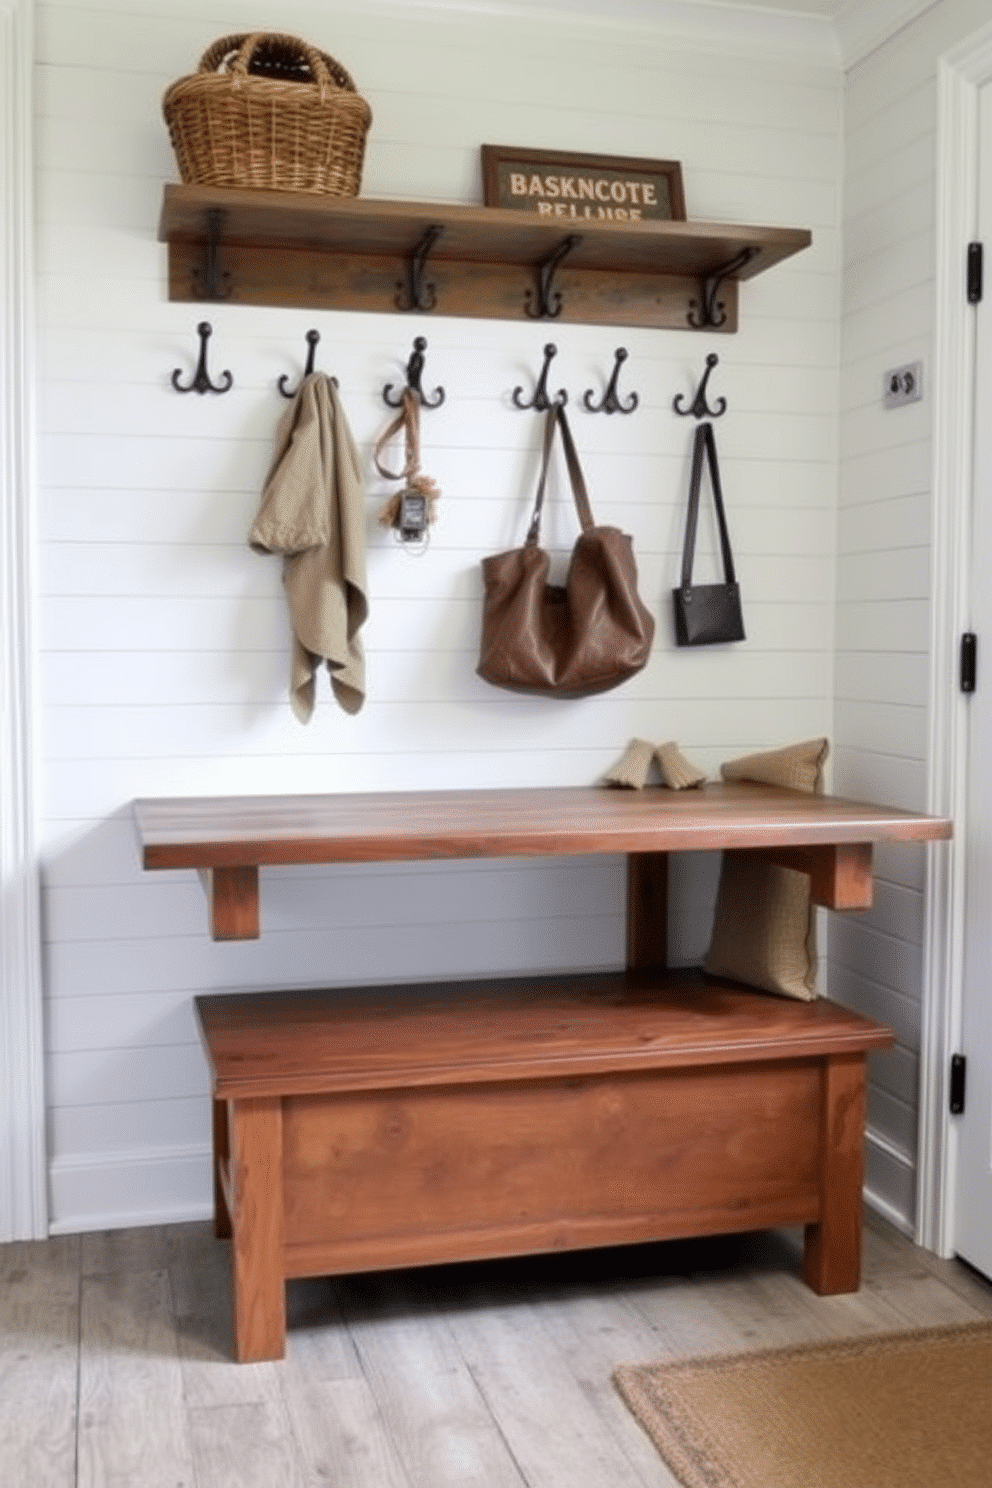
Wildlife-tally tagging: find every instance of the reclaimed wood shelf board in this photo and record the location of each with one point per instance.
(282, 248)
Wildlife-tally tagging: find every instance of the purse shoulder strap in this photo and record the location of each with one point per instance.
(556, 419)
(705, 445)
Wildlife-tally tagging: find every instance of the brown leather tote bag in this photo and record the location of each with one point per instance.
(570, 640)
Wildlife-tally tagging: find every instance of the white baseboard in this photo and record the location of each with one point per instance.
(120, 1190)
(890, 1183)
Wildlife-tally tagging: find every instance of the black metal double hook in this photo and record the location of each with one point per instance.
(699, 408)
(709, 309)
(414, 371)
(201, 377)
(540, 400)
(610, 401)
(412, 293)
(543, 302)
(312, 338)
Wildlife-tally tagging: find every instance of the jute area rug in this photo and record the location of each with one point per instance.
(912, 1410)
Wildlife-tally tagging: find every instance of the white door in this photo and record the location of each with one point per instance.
(973, 1223)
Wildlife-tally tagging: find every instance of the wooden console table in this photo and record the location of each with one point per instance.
(363, 1128)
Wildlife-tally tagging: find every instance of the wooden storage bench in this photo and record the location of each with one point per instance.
(366, 1129)
(363, 1128)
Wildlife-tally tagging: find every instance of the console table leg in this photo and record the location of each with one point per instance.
(832, 1259)
(222, 1153)
(255, 1131)
(647, 911)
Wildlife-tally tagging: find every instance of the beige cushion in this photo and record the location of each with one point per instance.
(798, 766)
(764, 926)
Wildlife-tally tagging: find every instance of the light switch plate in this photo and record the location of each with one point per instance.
(903, 385)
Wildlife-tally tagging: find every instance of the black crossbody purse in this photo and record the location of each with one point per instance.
(706, 614)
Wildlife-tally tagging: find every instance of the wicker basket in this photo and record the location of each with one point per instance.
(268, 111)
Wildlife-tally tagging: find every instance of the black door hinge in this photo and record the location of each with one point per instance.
(969, 658)
(958, 1069)
(975, 265)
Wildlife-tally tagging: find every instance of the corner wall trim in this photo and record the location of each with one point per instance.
(960, 74)
(23, 1181)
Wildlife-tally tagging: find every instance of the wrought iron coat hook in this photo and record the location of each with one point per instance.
(540, 400)
(414, 369)
(699, 408)
(711, 311)
(610, 402)
(413, 293)
(201, 378)
(544, 303)
(312, 338)
(210, 281)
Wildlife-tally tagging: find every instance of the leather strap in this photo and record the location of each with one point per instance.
(704, 443)
(556, 419)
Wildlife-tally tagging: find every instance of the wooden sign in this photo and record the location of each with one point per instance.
(597, 188)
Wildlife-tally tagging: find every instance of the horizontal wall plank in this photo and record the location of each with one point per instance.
(897, 1119)
(884, 778)
(88, 1131)
(900, 625)
(442, 895)
(882, 1004)
(98, 1076)
(893, 729)
(307, 956)
(864, 677)
(855, 943)
(874, 527)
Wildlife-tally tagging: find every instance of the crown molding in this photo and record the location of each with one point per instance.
(710, 25)
(822, 32)
(862, 26)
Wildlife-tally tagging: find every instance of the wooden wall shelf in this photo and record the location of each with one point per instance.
(229, 838)
(280, 248)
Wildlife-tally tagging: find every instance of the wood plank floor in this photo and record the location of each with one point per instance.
(115, 1369)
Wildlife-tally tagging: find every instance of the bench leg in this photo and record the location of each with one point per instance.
(222, 1153)
(832, 1258)
(255, 1132)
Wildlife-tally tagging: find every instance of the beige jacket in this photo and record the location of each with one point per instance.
(313, 512)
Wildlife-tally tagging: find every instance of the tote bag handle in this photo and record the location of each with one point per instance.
(556, 419)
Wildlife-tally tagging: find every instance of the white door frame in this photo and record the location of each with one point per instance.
(960, 75)
(23, 1178)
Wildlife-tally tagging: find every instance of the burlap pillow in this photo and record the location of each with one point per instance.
(764, 926)
(798, 766)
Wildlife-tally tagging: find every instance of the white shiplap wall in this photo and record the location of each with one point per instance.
(165, 640)
(884, 535)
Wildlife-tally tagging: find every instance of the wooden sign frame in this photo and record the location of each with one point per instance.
(559, 184)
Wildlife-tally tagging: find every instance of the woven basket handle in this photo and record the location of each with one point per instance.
(241, 48)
